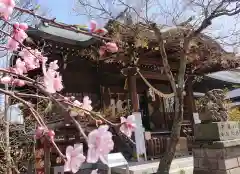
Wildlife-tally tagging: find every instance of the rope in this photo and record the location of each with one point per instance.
(159, 93)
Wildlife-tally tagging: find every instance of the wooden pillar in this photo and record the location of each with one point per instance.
(190, 101)
(130, 73)
(133, 92)
(47, 163)
(146, 121)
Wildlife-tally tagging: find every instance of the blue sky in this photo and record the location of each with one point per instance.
(63, 11)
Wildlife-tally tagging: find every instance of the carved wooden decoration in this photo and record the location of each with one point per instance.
(119, 106)
(113, 107)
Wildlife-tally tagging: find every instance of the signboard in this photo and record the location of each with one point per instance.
(139, 138)
(196, 118)
(59, 170)
(116, 159)
(148, 135)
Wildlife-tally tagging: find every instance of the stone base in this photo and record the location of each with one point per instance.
(219, 157)
(217, 131)
(201, 171)
(232, 171)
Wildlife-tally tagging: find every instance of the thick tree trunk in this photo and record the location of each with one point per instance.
(165, 163)
(178, 89)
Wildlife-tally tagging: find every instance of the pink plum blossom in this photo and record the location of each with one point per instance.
(6, 8)
(109, 47)
(57, 83)
(94, 28)
(41, 131)
(53, 65)
(52, 79)
(10, 80)
(100, 144)
(94, 171)
(31, 58)
(6, 79)
(19, 31)
(51, 134)
(66, 99)
(76, 103)
(128, 125)
(20, 67)
(18, 82)
(75, 158)
(48, 80)
(87, 103)
(18, 36)
(12, 44)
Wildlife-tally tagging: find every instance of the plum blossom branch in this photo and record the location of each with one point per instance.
(14, 43)
(89, 112)
(35, 114)
(24, 102)
(56, 147)
(64, 26)
(30, 95)
(51, 84)
(80, 129)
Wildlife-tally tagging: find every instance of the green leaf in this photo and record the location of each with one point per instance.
(79, 27)
(49, 107)
(144, 43)
(236, 86)
(37, 7)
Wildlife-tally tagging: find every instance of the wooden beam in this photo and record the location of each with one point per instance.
(154, 76)
(156, 61)
(146, 74)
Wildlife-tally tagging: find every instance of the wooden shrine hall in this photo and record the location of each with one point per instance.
(116, 88)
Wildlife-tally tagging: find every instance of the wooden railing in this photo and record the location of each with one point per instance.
(157, 145)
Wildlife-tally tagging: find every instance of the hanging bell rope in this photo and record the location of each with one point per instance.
(159, 93)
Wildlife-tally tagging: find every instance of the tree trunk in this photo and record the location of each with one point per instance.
(7, 139)
(165, 163)
(178, 89)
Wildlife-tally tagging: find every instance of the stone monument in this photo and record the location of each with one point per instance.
(216, 147)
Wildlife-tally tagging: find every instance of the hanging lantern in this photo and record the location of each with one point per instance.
(14, 114)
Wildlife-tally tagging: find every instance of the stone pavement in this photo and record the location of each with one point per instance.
(182, 165)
